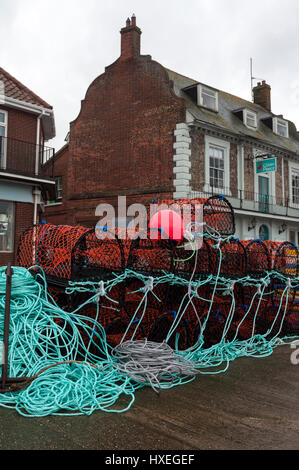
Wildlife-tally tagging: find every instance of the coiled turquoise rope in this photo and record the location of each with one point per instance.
(45, 340)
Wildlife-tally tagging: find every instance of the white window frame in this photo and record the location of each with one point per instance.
(200, 89)
(223, 145)
(271, 176)
(5, 125)
(278, 121)
(248, 113)
(59, 187)
(292, 166)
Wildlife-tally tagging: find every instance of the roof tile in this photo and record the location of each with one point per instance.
(16, 90)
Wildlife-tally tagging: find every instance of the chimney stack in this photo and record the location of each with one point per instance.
(262, 95)
(130, 39)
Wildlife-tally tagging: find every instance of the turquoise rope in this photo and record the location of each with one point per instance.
(42, 335)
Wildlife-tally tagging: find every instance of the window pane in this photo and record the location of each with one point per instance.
(295, 187)
(281, 130)
(2, 131)
(208, 98)
(58, 180)
(216, 167)
(250, 120)
(2, 117)
(6, 225)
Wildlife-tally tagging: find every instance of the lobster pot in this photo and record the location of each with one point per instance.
(218, 216)
(182, 336)
(273, 248)
(214, 329)
(195, 267)
(241, 325)
(215, 212)
(285, 263)
(232, 261)
(28, 244)
(286, 260)
(97, 258)
(258, 258)
(50, 247)
(272, 322)
(125, 328)
(192, 262)
(258, 263)
(291, 324)
(190, 209)
(150, 258)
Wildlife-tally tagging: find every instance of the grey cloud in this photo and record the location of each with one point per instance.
(57, 47)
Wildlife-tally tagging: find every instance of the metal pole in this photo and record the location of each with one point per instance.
(9, 273)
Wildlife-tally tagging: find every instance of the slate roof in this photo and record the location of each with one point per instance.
(227, 120)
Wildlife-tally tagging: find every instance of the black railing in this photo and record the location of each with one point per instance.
(248, 200)
(24, 158)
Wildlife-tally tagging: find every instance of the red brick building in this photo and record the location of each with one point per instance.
(122, 141)
(26, 123)
(145, 132)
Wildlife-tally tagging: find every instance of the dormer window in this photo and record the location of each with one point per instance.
(280, 127)
(250, 119)
(207, 98)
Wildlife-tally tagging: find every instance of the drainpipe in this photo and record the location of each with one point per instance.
(37, 144)
(36, 191)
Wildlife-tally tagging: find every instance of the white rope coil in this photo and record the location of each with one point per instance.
(153, 363)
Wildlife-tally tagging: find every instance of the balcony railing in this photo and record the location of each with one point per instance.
(24, 158)
(251, 201)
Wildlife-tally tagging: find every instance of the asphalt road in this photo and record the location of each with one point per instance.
(254, 405)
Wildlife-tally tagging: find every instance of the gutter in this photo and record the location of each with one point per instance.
(47, 113)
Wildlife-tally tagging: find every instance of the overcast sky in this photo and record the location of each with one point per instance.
(58, 47)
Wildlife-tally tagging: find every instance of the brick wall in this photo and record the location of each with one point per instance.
(122, 141)
(21, 125)
(197, 160)
(248, 172)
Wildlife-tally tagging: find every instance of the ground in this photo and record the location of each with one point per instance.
(254, 405)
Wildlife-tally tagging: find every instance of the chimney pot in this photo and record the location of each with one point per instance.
(130, 39)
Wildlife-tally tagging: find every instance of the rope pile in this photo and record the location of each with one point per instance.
(93, 319)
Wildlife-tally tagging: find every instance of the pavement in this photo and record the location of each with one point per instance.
(252, 406)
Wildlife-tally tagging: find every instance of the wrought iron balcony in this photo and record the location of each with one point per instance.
(23, 158)
(257, 202)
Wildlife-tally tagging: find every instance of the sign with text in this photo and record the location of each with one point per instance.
(266, 166)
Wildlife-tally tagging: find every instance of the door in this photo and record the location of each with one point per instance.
(263, 182)
(264, 232)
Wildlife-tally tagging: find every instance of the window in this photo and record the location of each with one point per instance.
(6, 226)
(295, 187)
(280, 127)
(58, 180)
(3, 135)
(216, 164)
(208, 98)
(250, 119)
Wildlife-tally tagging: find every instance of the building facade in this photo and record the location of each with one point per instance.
(26, 123)
(146, 132)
